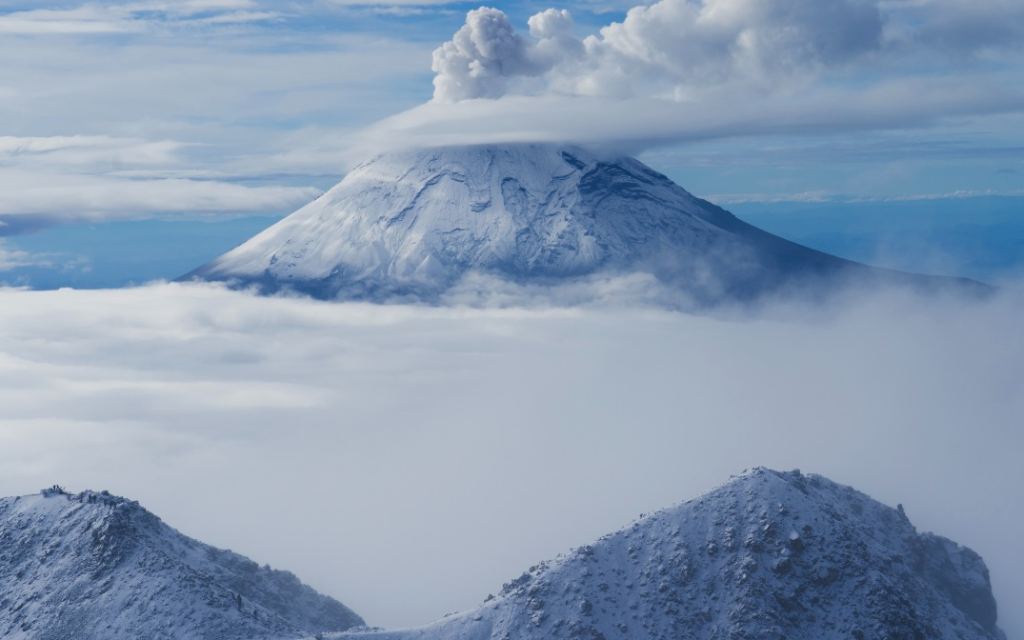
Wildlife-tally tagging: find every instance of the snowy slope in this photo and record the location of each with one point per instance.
(768, 556)
(93, 566)
(412, 223)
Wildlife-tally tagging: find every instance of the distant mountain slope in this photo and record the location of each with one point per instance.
(411, 224)
(767, 556)
(93, 566)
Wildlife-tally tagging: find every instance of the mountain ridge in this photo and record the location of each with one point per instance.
(93, 565)
(767, 555)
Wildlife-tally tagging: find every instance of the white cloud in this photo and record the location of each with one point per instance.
(404, 445)
(64, 197)
(671, 68)
(129, 138)
(123, 17)
(238, 17)
(61, 178)
(87, 152)
(192, 7)
(677, 49)
(119, 16)
(824, 196)
(79, 21)
(390, 3)
(670, 48)
(487, 53)
(11, 258)
(480, 58)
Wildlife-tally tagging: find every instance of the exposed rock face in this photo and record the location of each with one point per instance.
(410, 225)
(93, 566)
(769, 555)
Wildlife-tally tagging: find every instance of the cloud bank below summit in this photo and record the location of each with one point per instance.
(680, 70)
(473, 442)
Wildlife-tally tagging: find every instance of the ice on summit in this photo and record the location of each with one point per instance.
(413, 224)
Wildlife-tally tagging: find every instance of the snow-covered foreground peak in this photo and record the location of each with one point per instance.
(92, 566)
(412, 224)
(768, 555)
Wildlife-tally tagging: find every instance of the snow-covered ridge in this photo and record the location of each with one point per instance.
(412, 224)
(768, 555)
(93, 566)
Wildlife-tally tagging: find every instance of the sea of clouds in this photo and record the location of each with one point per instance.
(410, 459)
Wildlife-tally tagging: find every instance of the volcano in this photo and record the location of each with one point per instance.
(413, 224)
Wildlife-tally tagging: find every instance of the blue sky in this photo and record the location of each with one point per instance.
(228, 109)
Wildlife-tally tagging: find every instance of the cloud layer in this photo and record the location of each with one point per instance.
(423, 456)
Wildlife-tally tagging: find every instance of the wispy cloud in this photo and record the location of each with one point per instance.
(87, 152)
(62, 178)
(827, 197)
(64, 197)
(121, 17)
(129, 138)
(11, 258)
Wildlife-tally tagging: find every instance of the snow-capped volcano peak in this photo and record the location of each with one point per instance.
(92, 566)
(413, 223)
